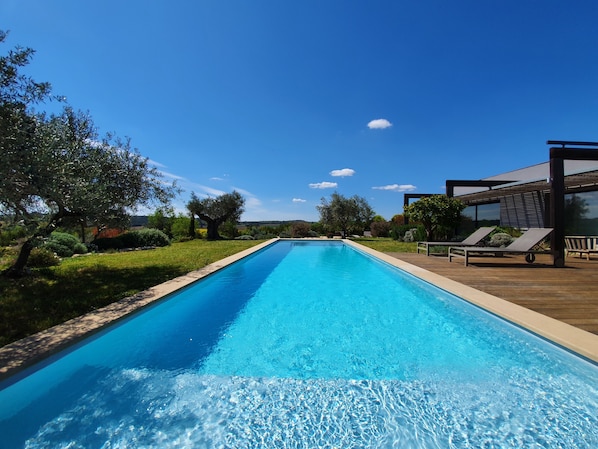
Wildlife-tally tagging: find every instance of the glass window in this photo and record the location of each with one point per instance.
(581, 213)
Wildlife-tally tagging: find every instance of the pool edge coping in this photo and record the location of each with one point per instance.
(570, 337)
(21, 354)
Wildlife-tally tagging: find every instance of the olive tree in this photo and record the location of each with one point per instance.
(216, 211)
(67, 173)
(345, 214)
(436, 213)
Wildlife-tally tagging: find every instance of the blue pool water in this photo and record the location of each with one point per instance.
(306, 345)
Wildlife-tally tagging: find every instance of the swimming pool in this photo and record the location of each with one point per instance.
(306, 344)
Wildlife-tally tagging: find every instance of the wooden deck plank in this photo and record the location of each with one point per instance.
(568, 294)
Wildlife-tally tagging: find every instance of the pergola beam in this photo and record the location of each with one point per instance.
(452, 183)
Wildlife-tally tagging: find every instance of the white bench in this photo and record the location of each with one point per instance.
(582, 245)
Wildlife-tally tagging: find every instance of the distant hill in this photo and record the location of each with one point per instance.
(270, 223)
(139, 221)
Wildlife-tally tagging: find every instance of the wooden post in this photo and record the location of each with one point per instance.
(557, 207)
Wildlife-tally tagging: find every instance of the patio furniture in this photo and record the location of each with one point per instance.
(524, 244)
(582, 245)
(474, 239)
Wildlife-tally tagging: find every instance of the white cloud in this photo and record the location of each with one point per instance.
(397, 187)
(170, 175)
(323, 185)
(208, 190)
(343, 172)
(252, 202)
(243, 191)
(380, 123)
(299, 200)
(155, 163)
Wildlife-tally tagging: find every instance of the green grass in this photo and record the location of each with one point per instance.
(79, 285)
(387, 245)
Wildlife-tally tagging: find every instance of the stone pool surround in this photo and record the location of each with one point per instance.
(26, 352)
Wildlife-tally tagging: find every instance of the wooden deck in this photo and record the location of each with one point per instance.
(568, 294)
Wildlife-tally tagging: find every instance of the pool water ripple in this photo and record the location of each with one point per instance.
(144, 408)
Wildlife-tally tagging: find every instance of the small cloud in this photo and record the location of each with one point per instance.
(380, 123)
(323, 185)
(216, 178)
(343, 172)
(397, 187)
(299, 200)
(252, 202)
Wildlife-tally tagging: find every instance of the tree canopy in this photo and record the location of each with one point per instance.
(216, 211)
(437, 213)
(55, 168)
(349, 215)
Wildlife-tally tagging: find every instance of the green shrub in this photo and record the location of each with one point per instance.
(184, 238)
(129, 240)
(42, 258)
(80, 248)
(380, 229)
(300, 229)
(244, 237)
(55, 247)
(10, 234)
(64, 239)
(405, 232)
(106, 243)
(180, 227)
(134, 239)
(150, 237)
(500, 239)
(64, 244)
(264, 236)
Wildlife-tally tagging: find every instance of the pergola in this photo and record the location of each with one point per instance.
(553, 188)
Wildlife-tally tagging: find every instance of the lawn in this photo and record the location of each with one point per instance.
(79, 285)
(387, 245)
(82, 284)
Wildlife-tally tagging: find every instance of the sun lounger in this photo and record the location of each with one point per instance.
(473, 240)
(525, 244)
(582, 245)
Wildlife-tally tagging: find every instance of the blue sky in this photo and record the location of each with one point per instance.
(290, 101)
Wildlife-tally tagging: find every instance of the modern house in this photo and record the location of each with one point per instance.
(561, 193)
